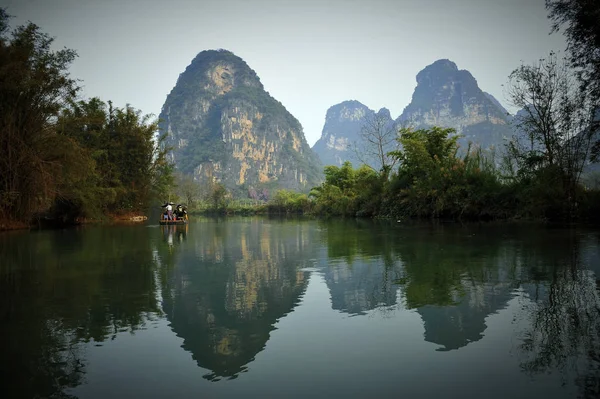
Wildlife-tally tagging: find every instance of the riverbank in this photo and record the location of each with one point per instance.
(50, 223)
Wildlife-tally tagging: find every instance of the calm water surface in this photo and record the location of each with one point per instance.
(286, 308)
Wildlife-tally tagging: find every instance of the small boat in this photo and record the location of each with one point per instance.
(172, 222)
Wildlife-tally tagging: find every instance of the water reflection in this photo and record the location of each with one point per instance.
(227, 293)
(223, 286)
(359, 265)
(454, 281)
(174, 234)
(456, 277)
(453, 276)
(565, 314)
(59, 289)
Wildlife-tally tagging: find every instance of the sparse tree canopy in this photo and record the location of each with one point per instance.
(377, 138)
(556, 123)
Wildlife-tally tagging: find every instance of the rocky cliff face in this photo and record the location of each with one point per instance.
(341, 132)
(448, 97)
(224, 127)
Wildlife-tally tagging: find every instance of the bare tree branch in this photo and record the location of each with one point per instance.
(378, 137)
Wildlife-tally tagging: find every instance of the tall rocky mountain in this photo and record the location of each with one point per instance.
(448, 97)
(341, 132)
(223, 126)
(445, 96)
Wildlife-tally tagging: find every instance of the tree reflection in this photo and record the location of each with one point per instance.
(565, 316)
(61, 288)
(226, 294)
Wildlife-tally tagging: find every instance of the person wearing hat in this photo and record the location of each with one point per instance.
(181, 213)
(169, 211)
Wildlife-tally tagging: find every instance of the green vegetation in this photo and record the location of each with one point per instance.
(346, 191)
(288, 202)
(541, 171)
(62, 158)
(66, 159)
(432, 181)
(129, 169)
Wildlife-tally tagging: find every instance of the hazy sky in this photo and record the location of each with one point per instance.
(308, 54)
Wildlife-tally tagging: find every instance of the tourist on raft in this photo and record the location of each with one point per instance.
(168, 215)
(180, 212)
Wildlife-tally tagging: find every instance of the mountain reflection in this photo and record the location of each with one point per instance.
(359, 268)
(450, 275)
(455, 280)
(226, 294)
(453, 276)
(223, 286)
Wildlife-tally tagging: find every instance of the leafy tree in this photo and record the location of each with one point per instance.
(288, 201)
(218, 196)
(36, 163)
(188, 189)
(342, 177)
(349, 191)
(65, 157)
(580, 21)
(423, 149)
(579, 18)
(433, 182)
(369, 186)
(336, 195)
(131, 166)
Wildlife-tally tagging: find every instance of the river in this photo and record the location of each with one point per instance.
(262, 307)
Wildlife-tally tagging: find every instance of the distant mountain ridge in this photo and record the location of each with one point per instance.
(448, 97)
(444, 96)
(224, 127)
(341, 132)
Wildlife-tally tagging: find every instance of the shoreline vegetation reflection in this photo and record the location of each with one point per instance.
(223, 285)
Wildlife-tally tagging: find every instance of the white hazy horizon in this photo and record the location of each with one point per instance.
(309, 55)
